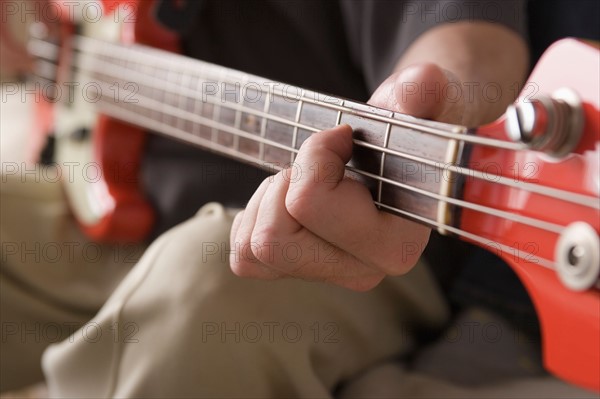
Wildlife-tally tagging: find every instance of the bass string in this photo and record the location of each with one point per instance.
(507, 215)
(150, 123)
(185, 65)
(156, 83)
(161, 108)
(551, 192)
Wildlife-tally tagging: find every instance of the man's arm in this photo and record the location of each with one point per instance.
(336, 232)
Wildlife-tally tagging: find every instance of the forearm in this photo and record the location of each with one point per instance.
(482, 56)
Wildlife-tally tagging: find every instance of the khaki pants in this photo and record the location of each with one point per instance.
(52, 280)
(180, 324)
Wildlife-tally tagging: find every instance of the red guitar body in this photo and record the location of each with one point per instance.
(570, 320)
(118, 146)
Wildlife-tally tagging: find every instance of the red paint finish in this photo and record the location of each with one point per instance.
(570, 320)
(118, 147)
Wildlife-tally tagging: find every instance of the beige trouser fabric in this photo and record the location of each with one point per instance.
(182, 325)
(189, 328)
(52, 279)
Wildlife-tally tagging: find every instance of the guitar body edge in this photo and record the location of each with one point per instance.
(569, 319)
(102, 176)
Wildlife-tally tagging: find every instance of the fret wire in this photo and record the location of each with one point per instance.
(169, 97)
(238, 113)
(406, 123)
(551, 227)
(338, 118)
(198, 108)
(184, 80)
(263, 126)
(156, 93)
(151, 90)
(548, 191)
(166, 95)
(217, 109)
(126, 64)
(295, 130)
(581, 199)
(386, 140)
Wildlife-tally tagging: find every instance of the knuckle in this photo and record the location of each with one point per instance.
(263, 242)
(262, 234)
(300, 203)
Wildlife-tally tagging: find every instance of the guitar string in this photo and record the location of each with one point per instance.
(526, 256)
(189, 65)
(150, 123)
(400, 211)
(192, 66)
(580, 199)
(503, 214)
(492, 245)
(490, 177)
(164, 108)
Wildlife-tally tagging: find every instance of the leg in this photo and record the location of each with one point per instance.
(52, 279)
(181, 324)
(481, 355)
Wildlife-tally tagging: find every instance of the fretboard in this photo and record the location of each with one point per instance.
(402, 160)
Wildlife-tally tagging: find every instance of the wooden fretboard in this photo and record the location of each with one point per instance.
(402, 160)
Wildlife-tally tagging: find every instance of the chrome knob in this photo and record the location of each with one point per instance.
(577, 256)
(553, 125)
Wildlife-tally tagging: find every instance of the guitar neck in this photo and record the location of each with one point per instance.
(423, 170)
(402, 160)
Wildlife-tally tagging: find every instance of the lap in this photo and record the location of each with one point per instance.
(218, 333)
(52, 278)
(182, 324)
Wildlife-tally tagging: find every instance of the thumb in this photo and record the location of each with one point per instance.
(424, 91)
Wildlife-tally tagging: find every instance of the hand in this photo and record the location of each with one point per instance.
(303, 225)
